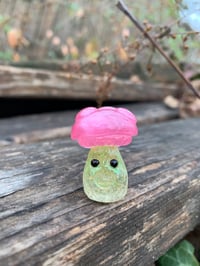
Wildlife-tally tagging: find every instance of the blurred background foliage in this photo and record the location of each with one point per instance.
(86, 30)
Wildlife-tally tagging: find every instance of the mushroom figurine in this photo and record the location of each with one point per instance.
(103, 130)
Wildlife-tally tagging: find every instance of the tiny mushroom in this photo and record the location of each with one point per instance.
(104, 129)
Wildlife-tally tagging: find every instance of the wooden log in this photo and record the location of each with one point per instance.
(33, 128)
(22, 82)
(160, 72)
(45, 218)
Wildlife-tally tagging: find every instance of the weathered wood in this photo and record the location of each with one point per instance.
(22, 82)
(33, 128)
(45, 219)
(160, 72)
(38, 135)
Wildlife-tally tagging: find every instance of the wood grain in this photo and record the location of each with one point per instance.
(160, 72)
(23, 82)
(33, 128)
(45, 218)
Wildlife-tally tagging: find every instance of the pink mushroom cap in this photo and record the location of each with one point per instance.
(105, 126)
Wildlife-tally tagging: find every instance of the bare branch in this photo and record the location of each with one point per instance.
(121, 5)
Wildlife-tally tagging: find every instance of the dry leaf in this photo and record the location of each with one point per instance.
(91, 49)
(49, 34)
(16, 57)
(80, 13)
(190, 104)
(136, 79)
(74, 51)
(171, 102)
(122, 53)
(125, 33)
(56, 41)
(14, 37)
(64, 50)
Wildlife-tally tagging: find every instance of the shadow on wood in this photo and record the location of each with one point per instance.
(40, 127)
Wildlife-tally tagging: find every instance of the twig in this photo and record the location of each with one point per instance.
(122, 7)
(104, 89)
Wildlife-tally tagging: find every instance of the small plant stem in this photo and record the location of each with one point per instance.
(125, 10)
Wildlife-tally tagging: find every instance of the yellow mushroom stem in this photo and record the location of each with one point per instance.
(105, 177)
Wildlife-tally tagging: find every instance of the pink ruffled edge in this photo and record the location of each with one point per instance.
(104, 126)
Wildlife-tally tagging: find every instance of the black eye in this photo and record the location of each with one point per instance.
(114, 163)
(95, 162)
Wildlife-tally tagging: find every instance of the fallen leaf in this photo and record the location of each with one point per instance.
(136, 79)
(171, 102)
(189, 104)
(14, 38)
